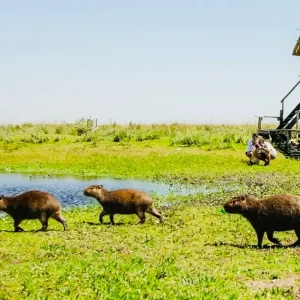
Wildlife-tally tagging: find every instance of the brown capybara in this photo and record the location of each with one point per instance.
(275, 213)
(32, 205)
(124, 201)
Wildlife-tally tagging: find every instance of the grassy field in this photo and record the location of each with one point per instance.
(198, 253)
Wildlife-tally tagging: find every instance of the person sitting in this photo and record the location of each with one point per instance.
(252, 145)
(266, 151)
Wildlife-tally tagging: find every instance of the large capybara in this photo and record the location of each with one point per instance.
(274, 213)
(32, 205)
(124, 201)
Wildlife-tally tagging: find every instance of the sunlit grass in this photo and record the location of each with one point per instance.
(198, 253)
(153, 162)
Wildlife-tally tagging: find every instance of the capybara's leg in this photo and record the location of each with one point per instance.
(260, 235)
(44, 221)
(297, 243)
(141, 215)
(16, 225)
(272, 239)
(59, 217)
(152, 211)
(102, 214)
(111, 217)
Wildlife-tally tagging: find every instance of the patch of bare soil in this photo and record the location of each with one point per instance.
(283, 284)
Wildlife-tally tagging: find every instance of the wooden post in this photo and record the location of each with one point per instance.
(259, 122)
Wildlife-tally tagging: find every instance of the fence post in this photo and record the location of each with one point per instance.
(259, 122)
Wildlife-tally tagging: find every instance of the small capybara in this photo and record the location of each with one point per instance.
(32, 205)
(275, 213)
(124, 201)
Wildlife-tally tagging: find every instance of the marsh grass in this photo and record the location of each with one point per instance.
(154, 162)
(198, 253)
(207, 136)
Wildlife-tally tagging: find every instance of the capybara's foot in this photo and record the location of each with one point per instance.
(19, 229)
(276, 241)
(65, 225)
(42, 229)
(273, 239)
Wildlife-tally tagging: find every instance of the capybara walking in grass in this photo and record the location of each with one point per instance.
(274, 213)
(32, 205)
(124, 201)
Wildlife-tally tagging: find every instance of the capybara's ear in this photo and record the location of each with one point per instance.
(100, 186)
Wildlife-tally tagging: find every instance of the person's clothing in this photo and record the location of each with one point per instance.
(260, 151)
(269, 147)
(250, 147)
(260, 154)
(264, 152)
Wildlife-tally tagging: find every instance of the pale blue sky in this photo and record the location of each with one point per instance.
(147, 61)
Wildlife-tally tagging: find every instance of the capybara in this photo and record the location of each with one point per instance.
(275, 213)
(32, 205)
(124, 201)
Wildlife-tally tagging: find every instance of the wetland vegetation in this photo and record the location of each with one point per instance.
(198, 253)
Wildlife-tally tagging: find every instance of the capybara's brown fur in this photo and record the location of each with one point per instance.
(32, 205)
(275, 213)
(124, 201)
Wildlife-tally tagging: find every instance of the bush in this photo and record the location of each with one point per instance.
(59, 130)
(121, 136)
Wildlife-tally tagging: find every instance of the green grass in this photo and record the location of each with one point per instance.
(154, 163)
(198, 253)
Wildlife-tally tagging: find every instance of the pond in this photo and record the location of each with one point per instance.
(69, 190)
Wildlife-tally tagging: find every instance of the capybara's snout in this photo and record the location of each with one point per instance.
(230, 207)
(93, 190)
(235, 205)
(88, 192)
(227, 207)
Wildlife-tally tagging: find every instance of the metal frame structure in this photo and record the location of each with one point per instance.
(286, 136)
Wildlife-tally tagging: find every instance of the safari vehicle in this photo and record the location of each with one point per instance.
(286, 137)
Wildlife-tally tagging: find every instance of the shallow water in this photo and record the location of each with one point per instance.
(69, 190)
